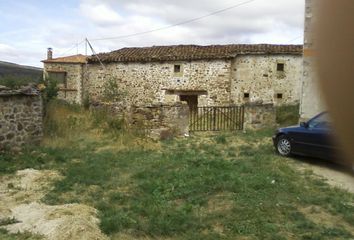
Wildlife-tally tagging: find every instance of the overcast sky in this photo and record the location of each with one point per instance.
(28, 27)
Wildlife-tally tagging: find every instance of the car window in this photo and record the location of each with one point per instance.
(321, 121)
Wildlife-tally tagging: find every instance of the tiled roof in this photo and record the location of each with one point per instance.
(69, 59)
(193, 52)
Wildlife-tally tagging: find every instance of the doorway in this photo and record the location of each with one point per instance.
(192, 101)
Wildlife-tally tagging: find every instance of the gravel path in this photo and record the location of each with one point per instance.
(335, 175)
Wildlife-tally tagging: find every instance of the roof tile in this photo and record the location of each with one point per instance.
(193, 52)
(79, 58)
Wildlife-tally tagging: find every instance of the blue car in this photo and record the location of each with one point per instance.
(312, 138)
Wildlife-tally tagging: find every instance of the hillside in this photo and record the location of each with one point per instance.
(13, 75)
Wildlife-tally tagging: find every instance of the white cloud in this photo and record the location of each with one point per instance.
(262, 21)
(100, 13)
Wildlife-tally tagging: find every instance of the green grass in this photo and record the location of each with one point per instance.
(288, 115)
(219, 187)
(4, 235)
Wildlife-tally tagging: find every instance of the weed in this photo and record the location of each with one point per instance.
(288, 115)
(220, 139)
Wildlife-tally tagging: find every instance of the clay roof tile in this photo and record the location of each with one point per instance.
(193, 52)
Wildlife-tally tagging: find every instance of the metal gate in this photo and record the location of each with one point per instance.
(229, 118)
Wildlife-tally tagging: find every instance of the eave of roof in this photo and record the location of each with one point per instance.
(79, 58)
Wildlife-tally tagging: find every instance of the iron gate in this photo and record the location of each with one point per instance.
(228, 118)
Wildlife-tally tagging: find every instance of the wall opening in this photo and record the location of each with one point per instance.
(279, 96)
(192, 101)
(280, 67)
(177, 68)
(59, 77)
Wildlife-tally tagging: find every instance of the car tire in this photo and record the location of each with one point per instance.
(284, 146)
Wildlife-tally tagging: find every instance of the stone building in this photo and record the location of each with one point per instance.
(21, 120)
(200, 75)
(312, 101)
(69, 74)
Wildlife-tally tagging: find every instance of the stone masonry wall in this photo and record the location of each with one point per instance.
(147, 83)
(258, 116)
(216, 82)
(161, 121)
(258, 76)
(74, 77)
(20, 120)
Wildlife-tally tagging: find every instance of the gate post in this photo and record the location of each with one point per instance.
(214, 118)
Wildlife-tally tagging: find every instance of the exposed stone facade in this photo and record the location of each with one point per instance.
(217, 82)
(312, 101)
(258, 116)
(71, 91)
(213, 75)
(161, 121)
(259, 77)
(151, 83)
(21, 120)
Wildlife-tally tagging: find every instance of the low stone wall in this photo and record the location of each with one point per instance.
(258, 116)
(21, 119)
(161, 121)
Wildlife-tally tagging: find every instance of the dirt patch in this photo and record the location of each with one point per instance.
(20, 196)
(324, 218)
(219, 203)
(334, 175)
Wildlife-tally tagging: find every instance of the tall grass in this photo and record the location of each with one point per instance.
(70, 121)
(288, 115)
(68, 124)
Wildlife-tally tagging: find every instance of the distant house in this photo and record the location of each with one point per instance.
(69, 74)
(213, 75)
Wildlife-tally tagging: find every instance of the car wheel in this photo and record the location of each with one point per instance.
(283, 146)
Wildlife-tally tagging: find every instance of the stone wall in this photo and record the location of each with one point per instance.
(312, 101)
(21, 120)
(257, 75)
(161, 121)
(258, 116)
(72, 92)
(148, 83)
(216, 82)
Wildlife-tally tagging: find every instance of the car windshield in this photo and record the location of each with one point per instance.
(321, 121)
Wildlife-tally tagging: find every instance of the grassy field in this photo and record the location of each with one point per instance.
(224, 186)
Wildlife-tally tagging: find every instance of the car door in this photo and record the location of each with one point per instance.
(317, 137)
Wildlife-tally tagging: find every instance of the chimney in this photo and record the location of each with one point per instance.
(50, 53)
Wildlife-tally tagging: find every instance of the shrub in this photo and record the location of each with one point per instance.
(50, 91)
(111, 91)
(103, 118)
(221, 139)
(288, 115)
(86, 101)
